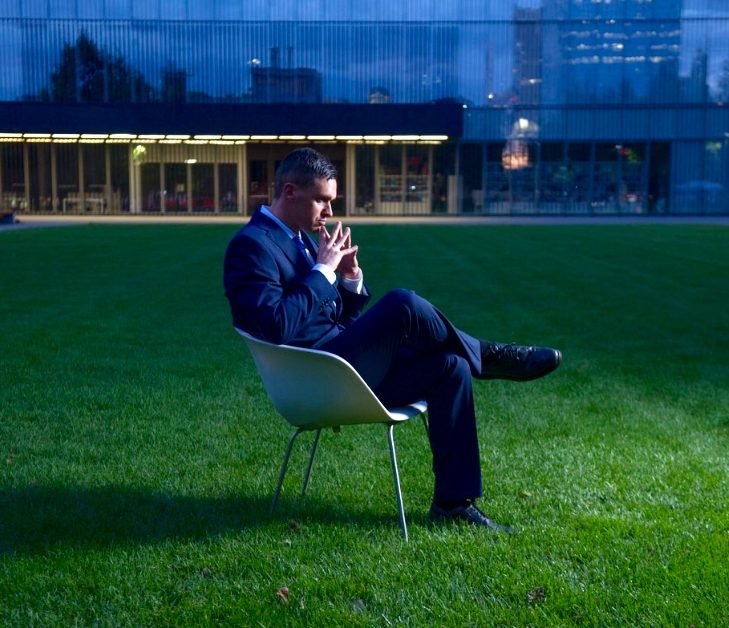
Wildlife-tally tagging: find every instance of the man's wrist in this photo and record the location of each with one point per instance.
(355, 276)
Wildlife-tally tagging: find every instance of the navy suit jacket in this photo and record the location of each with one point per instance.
(275, 295)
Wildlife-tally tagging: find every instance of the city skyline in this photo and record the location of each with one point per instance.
(415, 61)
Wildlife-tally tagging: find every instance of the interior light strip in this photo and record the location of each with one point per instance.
(217, 139)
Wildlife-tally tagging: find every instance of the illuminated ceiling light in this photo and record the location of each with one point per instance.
(207, 137)
(64, 140)
(236, 137)
(191, 161)
(240, 142)
(349, 137)
(222, 142)
(65, 136)
(319, 137)
(434, 138)
(170, 141)
(10, 135)
(264, 137)
(292, 137)
(177, 137)
(378, 138)
(196, 142)
(406, 138)
(150, 137)
(94, 136)
(122, 136)
(90, 140)
(37, 135)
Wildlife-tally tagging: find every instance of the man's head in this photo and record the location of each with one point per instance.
(302, 167)
(304, 187)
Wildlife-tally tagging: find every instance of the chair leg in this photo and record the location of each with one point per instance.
(282, 473)
(311, 462)
(396, 478)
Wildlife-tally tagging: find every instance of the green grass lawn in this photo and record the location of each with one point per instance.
(138, 450)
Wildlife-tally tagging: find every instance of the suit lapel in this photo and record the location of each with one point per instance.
(278, 236)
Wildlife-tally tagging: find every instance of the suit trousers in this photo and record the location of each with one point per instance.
(407, 350)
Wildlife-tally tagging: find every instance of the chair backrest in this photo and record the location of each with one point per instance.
(313, 389)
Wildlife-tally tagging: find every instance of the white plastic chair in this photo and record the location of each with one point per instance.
(314, 390)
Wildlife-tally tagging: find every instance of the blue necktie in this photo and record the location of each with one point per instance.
(304, 251)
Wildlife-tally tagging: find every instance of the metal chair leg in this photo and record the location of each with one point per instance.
(311, 462)
(282, 473)
(396, 478)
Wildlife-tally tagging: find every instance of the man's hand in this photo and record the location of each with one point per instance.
(337, 252)
(348, 266)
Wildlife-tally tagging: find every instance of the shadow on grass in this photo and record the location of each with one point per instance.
(35, 519)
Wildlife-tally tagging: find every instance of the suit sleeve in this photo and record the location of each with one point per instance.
(272, 300)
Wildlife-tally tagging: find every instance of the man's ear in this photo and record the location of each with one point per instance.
(289, 190)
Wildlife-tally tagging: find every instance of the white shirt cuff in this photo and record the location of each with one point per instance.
(352, 285)
(326, 271)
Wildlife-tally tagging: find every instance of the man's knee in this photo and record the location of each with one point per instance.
(400, 296)
(409, 301)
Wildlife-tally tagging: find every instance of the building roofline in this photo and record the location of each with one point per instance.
(228, 118)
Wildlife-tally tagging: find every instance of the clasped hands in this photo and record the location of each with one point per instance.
(337, 252)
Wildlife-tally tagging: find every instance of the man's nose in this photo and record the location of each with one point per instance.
(328, 210)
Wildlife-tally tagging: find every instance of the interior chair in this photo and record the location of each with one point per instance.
(314, 390)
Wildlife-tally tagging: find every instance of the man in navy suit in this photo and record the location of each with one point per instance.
(285, 288)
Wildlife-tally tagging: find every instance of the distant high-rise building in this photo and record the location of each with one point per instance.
(618, 51)
(696, 88)
(527, 71)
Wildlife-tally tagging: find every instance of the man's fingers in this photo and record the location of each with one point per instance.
(336, 231)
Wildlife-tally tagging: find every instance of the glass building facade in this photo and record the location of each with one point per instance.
(427, 107)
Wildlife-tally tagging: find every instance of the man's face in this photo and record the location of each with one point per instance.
(308, 208)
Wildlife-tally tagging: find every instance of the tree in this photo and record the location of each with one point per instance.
(86, 74)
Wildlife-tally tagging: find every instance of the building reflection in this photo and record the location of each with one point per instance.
(561, 106)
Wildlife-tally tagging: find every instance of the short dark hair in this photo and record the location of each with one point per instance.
(302, 167)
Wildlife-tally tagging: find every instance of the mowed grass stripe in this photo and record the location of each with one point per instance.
(138, 450)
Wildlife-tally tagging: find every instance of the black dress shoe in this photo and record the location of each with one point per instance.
(468, 513)
(516, 362)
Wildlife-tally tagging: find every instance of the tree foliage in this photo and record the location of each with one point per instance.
(85, 73)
